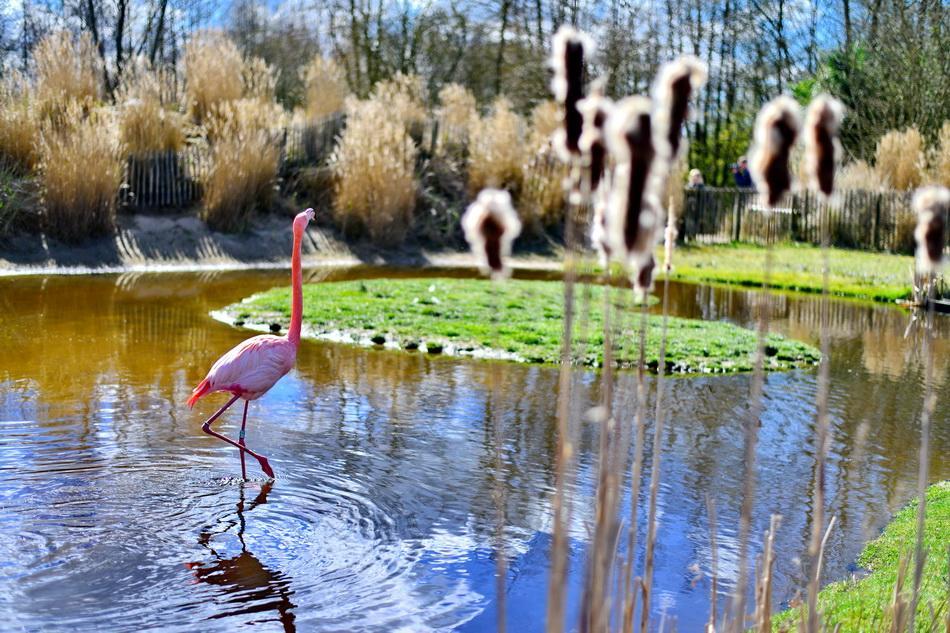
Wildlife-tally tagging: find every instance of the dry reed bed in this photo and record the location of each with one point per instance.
(159, 111)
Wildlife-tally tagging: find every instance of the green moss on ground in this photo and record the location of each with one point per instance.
(859, 274)
(520, 319)
(862, 605)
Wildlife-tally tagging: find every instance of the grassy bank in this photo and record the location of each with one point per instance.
(864, 605)
(859, 274)
(518, 320)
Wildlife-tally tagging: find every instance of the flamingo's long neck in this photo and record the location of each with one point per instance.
(296, 283)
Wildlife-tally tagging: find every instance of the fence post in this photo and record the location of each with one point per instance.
(737, 219)
(877, 222)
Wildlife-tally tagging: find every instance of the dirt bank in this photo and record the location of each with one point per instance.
(182, 242)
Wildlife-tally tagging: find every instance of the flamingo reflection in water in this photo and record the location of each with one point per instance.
(245, 582)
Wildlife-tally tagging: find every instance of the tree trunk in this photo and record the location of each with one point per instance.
(500, 59)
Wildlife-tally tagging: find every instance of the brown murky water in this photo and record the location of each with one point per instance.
(117, 513)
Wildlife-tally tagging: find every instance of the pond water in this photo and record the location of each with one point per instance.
(117, 512)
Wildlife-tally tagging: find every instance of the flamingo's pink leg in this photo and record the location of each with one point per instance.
(206, 427)
(241, 440)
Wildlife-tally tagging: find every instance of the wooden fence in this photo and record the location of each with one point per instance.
(871, 220)
(173, 180)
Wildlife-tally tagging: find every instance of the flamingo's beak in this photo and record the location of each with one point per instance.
(310, 213)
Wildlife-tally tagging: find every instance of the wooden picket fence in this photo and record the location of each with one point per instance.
(173, 180)
(870, 220)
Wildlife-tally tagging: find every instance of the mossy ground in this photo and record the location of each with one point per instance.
(862, 605)
(858, 274)
(521, 319)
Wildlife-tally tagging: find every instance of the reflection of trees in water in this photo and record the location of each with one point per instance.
(402, 420)
(246, 585)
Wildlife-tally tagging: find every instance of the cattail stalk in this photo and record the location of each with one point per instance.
(763, 602)
(570, 48)
(491, 225)
(714, 563)
(822, 152)
(933, 206)
(776, 129)
(630, 584)
(674, 86)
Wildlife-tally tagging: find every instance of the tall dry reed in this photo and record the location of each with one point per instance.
(455, 115)
(325, 88)
(80, 173)
(939, 160)
(404, 96)
(899, 158)
(568, 54)
(497, 149)
(67, 69)
(214, 73)
(859, 175)
(259, 80)
(542, 199)
(244, 161)
(19, 125)
(373, 166)
(146, 124)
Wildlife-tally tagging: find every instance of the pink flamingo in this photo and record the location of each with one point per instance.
(253, 366)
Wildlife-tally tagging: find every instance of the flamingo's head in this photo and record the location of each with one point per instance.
(303, 219)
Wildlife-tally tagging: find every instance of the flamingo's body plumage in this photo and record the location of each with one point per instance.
(252, 367)
(249, 369)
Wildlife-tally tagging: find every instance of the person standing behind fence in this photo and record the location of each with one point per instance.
(695, 180)
(740, 173)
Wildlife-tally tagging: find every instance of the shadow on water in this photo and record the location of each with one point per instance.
(383, 517)
(246, 585)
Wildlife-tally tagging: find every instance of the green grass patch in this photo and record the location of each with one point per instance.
(519, 320)
(859, 274)
(862, 605)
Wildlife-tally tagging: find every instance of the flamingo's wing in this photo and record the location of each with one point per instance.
(253, 366)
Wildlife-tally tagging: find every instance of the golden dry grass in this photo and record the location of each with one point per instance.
(214, 73)
(145, 123)
(859, 175)
(67, 69)
(940, 157)
(373, 167)
(259, 80)
(19, 125)
(325, 88)
(80, 174)
(404, 96)
(545, 120)
(899, 158)
(541, 202)
(244, 161)
(497, 149)
(456, 112)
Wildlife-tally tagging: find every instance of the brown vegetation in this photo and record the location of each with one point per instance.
(146, 124)
(324, 88)
(19, 126)
(244, 164)
(899, 158)
(214, 73)
(80, 174)
(374, 171)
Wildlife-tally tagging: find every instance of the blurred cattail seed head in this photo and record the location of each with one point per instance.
(633, 213)
(643, 281)
(822, 148)
(491, 225)
(675, 85)
(776, 129)
(595, 110)
(932, 205)
(570, 50)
